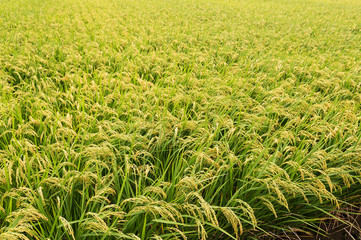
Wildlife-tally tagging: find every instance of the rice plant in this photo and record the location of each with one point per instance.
(168, 119)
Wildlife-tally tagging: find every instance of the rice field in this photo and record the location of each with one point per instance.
(179, 119)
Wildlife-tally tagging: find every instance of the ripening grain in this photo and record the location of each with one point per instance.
(177, 119)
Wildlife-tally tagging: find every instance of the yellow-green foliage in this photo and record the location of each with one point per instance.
(177, 119)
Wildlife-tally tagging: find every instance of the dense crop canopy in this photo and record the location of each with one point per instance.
(189, 119)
